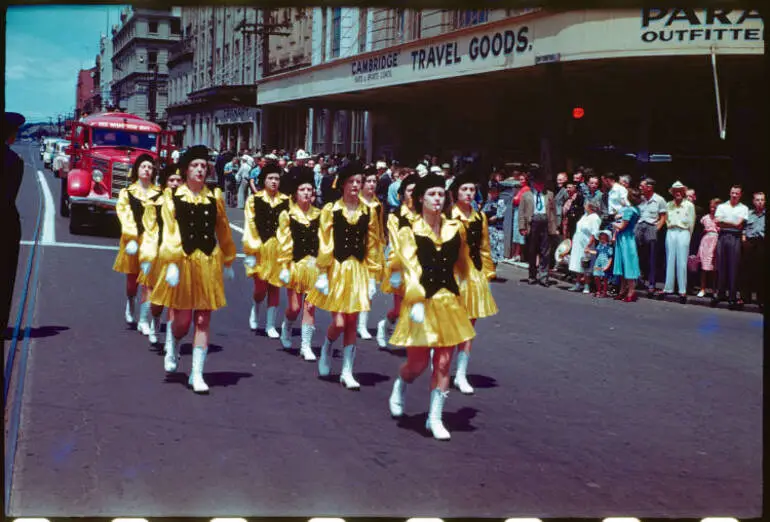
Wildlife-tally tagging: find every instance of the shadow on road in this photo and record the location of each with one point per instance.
(213, 379)
(371, 379)
(459, 421)
(482, 381)
(396, 352)
(186, 349)
(36, 333)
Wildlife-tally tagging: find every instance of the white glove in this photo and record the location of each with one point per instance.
(311, 262)
(132, 248)
(228, 272)
(146, 267)
(395, 279)
(322, 284)
(285, 276)
(417, 313)
(250, 261)
(172, 275)
(372, 288)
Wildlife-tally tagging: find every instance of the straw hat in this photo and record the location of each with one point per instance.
(562, 251)
(677, 186)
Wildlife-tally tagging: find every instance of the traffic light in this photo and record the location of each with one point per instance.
(578, 113)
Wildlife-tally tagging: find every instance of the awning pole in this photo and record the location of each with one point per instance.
(722, 129)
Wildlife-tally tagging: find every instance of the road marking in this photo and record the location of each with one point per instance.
(26, 242)
(236, 228)
(49, 225)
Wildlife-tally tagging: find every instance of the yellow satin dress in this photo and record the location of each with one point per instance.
(298, 242)
(260, 208)
(405, 218)
(151, 239)
(201, 285)
(349, 278)
(375, 207)
(130, 210)
(475, 290)
(446, 319)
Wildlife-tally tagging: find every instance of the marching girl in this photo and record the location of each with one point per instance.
(369, 197)
(298, 248)
(261, 245)
(475, 292)
(347, 265)
(170, 178)
(130, 210)
(196, 252)
(391, 283)
(434, 255)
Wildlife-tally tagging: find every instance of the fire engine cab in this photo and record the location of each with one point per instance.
(103, 149)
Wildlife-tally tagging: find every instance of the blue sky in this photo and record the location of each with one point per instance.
(45, 48)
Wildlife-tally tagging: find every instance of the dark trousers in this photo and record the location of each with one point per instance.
(538, 243)
(647, 244)
(728, 263)
(753, 269)
(9, 260)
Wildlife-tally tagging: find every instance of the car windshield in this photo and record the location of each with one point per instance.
(121, 138)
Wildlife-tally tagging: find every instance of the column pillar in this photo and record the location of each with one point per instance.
(309, 129)
(369, 135)
(329, 131)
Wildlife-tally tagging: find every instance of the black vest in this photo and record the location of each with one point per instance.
(403, 222)
(304, 239)
(438, 265)
(137, 210)
(266, 217)
(473, 231)
(158, 218)
(197, 225)
(350, 240)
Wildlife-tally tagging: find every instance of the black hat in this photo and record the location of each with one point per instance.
(169, 171)
(269, 168)
(468, 175)
(12, 122)
(298, 176)
(370, 170)
(411, 179)
(346, 171)
(139, 160)
(426, 183)
(196, 152)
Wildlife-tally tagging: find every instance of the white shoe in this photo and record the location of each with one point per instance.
(363, 320)
(587, 289)
(306, 350)
(384, 331)
(130, 319)
(702, 293)
(170, 360)
(270, 323)
(286, 331)
(143, 326)
(434, 424)
(325, 361)
(346, 376)
(461, 380)
(196, 374)
(153, 333)
(254, 316)
(397, 397)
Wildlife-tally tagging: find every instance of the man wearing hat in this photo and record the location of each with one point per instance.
(13, 171)
(680, 222)
(538, 223)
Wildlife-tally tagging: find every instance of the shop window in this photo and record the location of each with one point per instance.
(152, 59)
(338, 133)
(153, 27)
(176, 26)
(470, 17)
(319, 131)
(358, 133)
(336, 31)
(416, 25)
(363, 13)
(400, 28)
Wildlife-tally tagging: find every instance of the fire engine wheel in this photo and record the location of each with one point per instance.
(64, 200)
(75, 220)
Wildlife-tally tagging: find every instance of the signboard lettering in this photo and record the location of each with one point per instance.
(482, 47)
(375, 68)
(699, 25)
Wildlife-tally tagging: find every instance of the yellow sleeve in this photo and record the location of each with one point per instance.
(128, 228)
(326, 238)
(374, 254)
(171, 248)
(463, 265)
(285, 241)
(251, 241)
(414, 292)
(487, 265)
(393, 261)
(148, 250)
(223, 231)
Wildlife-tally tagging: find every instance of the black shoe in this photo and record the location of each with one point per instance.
(532, 281)
(714, 302)
(683, 299)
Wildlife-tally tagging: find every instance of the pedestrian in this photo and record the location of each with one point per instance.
(731, 219)
(475, 291)
(130, 210)
(261, 245)
(753, 259)
(392, 279)
(347, 265)
(518, 240)
(242, 178)
(494, 209)
(580, 260)
(170, 178)
(707, 249)
(369, 197)
(680, 222)
(626, 260)
(10, 183)
(197, 253)
(434, 255)
(603, 261)
(297, 252)
(652, 218)
(572, 210)
(538, 223)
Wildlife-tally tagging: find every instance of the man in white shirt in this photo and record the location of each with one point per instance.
(652, 217)
(731, 218)
(680, 222)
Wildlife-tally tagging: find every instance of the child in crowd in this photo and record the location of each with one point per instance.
(603, 253)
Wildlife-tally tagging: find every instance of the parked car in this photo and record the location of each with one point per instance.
(50, 152)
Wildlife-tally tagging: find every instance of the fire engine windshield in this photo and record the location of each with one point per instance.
(122, 138)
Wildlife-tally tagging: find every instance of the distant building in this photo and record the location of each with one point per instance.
(105, 71)
(86, 96)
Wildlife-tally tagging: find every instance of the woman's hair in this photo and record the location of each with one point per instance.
(634, 196)
(715, 201)
(593, 205)
(135, 168)
(169, 171)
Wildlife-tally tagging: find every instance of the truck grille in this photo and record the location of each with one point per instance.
(121, 172)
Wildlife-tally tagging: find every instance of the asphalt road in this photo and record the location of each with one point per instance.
(584, 407)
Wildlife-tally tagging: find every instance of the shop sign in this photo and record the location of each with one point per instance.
(701, 25)
(236, 115)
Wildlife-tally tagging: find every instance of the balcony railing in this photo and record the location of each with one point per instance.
(181, 49)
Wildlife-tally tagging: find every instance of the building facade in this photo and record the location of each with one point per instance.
(105, 71)
(141, 44)
(86, 95)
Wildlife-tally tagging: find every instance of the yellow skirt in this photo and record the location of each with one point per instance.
(348, 289)
(446, 324)
(476, 295)
(266, 268)
(201, 285)
(124, 263)
(151, 279)
(303, 276)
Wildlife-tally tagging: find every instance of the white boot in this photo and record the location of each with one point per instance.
(346, 376)
(363, 330)
(286, 330)
(306, 349)
(461, 380)
(325, 361)
(270, 323)
(170, 360)
(430, 359)
(434, 423)
(384, 331)
(143, 326)
(130, 310)
(397, 397)
(196, 374)
(254, 316)
(154, 327)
